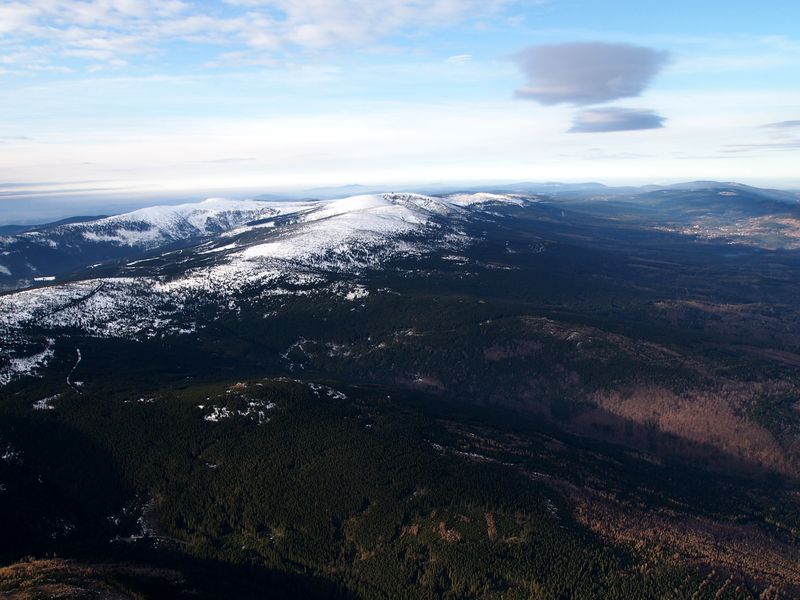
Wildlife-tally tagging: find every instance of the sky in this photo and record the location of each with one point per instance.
(102, 101)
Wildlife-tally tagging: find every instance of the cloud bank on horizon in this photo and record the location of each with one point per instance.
(168, 95)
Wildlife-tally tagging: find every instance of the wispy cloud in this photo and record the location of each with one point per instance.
(225, 161)
(459, 58)
(114, 31)
(601, 120)
(588, 72)
(778, 146)
(783, 125)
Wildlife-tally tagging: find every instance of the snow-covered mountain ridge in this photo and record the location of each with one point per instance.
(153, 226)
(48, 251)
(250, 252)
(157, 225)
(58, 249)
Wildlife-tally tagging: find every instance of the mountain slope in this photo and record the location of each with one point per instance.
(60, 248)
(289, 248)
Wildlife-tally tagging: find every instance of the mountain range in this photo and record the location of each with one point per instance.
(360, 396)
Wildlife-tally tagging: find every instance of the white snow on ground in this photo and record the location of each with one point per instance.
(341, 228)
(26, 365)
(46, 403)
(218, 413)
(219, 249)
(128, 237)
(357, 293)
(156, 225)
(455, 258)
(10, 455)
(292, 250)
(330, 392)
(4, 270)
(484, 198)
(255, 410)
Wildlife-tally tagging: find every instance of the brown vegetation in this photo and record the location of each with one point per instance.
(728, 546)
(705, 416)
(409, 530)
(491, 527)
(58, 578)
(448, 535)
(710, 419)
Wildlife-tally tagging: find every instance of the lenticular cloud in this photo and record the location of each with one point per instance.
(587, 73)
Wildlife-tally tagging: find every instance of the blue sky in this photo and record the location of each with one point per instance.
(174, 98)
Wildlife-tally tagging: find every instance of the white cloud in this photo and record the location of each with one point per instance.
(459, 58)
(790, 124)
(608, 119)
(105, 30)
(587, 72)
(14, 16)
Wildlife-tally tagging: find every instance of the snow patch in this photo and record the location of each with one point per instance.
(46, 403)
(330, 392)
(255, 410)
(220, 249)
(357, 293)
(485, 198)
(27, 365)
